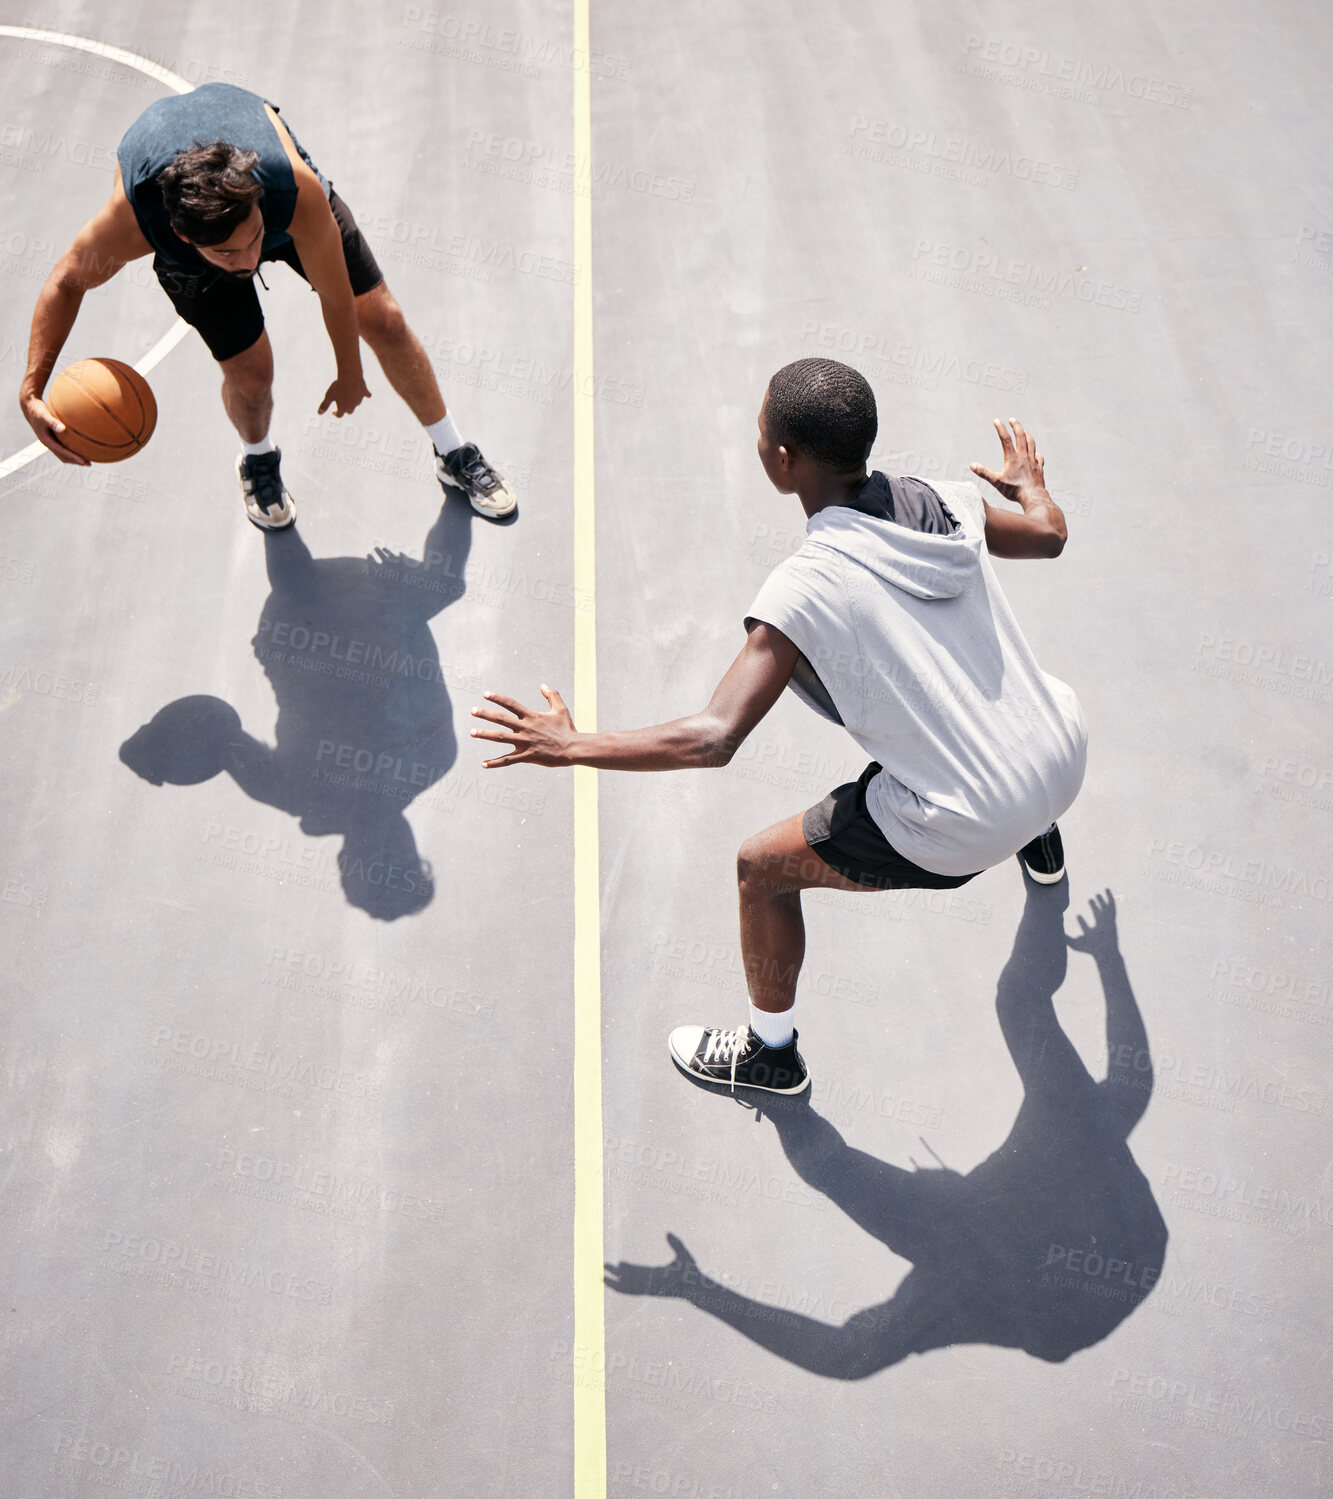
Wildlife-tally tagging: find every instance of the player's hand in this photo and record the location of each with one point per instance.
(345, 394)
(539, 738)
(1100, 937)
(48, 428)
(680, 1278)
(1024, 467)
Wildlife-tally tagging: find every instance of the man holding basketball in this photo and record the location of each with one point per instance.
(891, 622)
(212, 183)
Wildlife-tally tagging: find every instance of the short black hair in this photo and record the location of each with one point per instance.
(825, 410)
(208, 191)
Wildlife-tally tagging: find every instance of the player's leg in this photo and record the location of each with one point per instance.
(834, 845)
(247, 391)
(408, 369)
(227, 316)
(247, 396)
(401, 356)
(772, 869)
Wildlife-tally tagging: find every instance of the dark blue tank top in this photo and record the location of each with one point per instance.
(215, 112)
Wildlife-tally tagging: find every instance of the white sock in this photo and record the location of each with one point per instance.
(444, 436)
(253, 449)
(772, 1030)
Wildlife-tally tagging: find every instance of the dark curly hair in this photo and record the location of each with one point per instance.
(208, 191)
(823, 409)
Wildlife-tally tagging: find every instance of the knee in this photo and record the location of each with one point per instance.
(754, 866)
(250, 374)
(380, 318)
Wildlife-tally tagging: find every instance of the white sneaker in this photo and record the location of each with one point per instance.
(490, 493)
(267, 503)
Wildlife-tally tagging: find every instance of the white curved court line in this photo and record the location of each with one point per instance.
(173, 81)
(101, 49)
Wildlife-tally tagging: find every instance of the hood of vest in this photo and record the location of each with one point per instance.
(924, 565)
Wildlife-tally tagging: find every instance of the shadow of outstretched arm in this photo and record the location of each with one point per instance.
(1128, 1083)
(863, 1345)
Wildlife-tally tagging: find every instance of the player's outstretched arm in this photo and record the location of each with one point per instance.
(1040, 530)
(753, 683)
(106, 242)
(315, 234)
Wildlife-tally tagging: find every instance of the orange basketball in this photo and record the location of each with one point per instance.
(107, 408)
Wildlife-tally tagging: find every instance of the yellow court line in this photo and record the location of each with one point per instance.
(589, 1320)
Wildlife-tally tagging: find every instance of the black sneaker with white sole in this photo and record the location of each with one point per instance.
(1044, 857)
(267, 503)
(738, 1058)
(491, 495)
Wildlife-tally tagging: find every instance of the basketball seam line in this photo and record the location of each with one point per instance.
(97, 401)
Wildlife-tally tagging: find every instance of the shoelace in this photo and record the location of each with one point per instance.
(477, 471)
(263, 482)
(727, 1046)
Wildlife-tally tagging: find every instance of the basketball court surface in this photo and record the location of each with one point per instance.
(326, 1103)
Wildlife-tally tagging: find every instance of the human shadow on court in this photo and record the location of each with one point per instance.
(1046, 1246)
(364, 723)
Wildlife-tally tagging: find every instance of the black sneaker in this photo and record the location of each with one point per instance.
(267, 503)
(490, 494)
(738, 1057)
(1044, 857)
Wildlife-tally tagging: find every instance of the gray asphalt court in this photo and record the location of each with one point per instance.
(289, 1157)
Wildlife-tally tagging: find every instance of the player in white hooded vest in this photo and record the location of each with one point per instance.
(890, 621)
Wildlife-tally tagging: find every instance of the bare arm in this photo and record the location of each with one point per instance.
(108, 240)
(315, 234)
(752, 684)
(1040, 530)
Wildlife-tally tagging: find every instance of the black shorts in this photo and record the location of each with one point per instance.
(226, 311)
(848, 840)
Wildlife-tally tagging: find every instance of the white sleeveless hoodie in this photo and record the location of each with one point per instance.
(921, 660)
